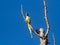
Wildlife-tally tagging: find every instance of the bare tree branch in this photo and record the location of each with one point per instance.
(43, 39)
(54, 39)
(36, 33)
(22, 13)
(46, 19)
(33, 30)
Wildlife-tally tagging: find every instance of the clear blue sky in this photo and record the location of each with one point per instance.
(13, 29)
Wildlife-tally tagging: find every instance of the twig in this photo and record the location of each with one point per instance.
(54, 39)
(35, 33)
(46, 19)
(33, 30)
(22, 13)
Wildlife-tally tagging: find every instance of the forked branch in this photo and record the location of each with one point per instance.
(46, 18)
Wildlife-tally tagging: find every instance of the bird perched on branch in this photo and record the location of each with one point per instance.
(28, 21)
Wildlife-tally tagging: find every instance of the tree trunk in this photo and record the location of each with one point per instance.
(43, 41)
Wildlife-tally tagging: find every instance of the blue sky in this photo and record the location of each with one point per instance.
(13, 29)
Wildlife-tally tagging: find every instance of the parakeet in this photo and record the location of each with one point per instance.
(30, 29)
(28, 21)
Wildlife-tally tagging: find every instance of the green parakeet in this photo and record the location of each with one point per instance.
(28, 24)
(27, 19)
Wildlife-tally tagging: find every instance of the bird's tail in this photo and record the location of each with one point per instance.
(30, 29)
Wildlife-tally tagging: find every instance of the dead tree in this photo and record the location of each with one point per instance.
(40, 32)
